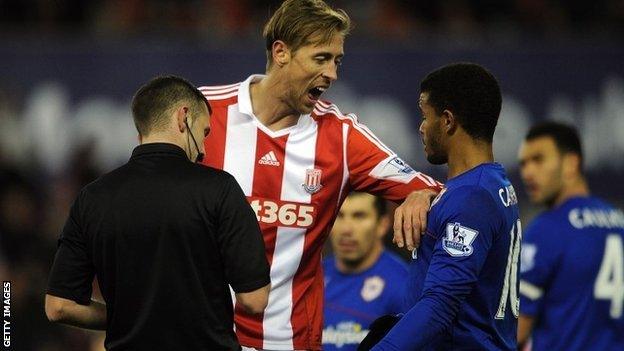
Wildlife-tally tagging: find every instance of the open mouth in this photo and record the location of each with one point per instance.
(316, 92)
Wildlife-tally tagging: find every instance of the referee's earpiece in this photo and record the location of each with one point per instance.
(200, 155)
(186, 122)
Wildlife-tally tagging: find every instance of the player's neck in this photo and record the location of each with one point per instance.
(468, 154)
(366, 263)
(269, 107)
(576, 187)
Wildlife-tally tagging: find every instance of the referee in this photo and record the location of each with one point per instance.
(164, 236)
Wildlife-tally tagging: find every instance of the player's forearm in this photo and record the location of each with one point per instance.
(92, 316)
(423, 182)
(430, 317)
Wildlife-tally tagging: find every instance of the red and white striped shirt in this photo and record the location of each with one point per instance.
(295, 180)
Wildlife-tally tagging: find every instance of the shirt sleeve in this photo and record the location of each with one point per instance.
(538, 261)
(397, 296)
(376, 169)
(452, 272)
(71, 276)
(241, 242)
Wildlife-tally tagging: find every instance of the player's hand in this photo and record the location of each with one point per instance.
(410, 219)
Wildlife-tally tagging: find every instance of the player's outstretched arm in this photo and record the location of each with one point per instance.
(376, 169)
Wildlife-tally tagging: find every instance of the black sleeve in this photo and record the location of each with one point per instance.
(72, 272)
(241, 242)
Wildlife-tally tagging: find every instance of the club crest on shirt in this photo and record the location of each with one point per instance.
(372, 288)
(458, 240)
(312, 182)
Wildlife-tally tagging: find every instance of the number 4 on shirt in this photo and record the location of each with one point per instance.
(609, 284)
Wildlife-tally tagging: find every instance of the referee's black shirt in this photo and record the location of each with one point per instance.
(164, 236)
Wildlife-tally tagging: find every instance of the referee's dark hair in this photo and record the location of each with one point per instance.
(565, 136)
(470, 92)
(153, 102)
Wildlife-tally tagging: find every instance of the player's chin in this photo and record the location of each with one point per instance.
(436, 159)
(542, 199)
(352, 260)
(348, 253)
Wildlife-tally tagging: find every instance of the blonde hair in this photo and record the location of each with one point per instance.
(296, 22)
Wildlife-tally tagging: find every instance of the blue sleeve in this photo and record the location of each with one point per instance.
(453, 269)
(540, 252)
(395, 304)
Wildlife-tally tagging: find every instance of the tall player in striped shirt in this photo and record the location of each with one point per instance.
(296, 158)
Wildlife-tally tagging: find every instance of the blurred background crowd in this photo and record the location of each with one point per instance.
(69, 68)
(393, 19)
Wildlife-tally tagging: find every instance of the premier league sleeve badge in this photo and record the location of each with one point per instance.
(458, 239)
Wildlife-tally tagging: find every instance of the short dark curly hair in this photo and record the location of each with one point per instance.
(154, 100)
(380, 204)
(565, 136)
(470, 92)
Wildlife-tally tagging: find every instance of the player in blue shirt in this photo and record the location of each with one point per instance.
(362, 280)
(463, 284)
(572, 262)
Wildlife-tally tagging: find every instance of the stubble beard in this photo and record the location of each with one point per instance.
(436, 156)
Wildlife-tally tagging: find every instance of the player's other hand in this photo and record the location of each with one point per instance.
(410, 219)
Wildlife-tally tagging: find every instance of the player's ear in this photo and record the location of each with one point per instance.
(449, 122)
(571, 165)
(281, 53)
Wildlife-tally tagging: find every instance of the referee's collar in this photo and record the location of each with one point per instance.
(165, 149)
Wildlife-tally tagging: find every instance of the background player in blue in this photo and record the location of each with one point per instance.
(362, 280)
(462, 286)
(572, 265)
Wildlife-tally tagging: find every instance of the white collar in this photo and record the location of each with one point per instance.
(244, 94)
(245, 107)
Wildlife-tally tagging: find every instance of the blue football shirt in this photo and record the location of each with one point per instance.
(353, 301)
(572, 277)
(463, 288)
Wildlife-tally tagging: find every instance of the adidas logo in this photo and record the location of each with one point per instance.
(269, 159)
